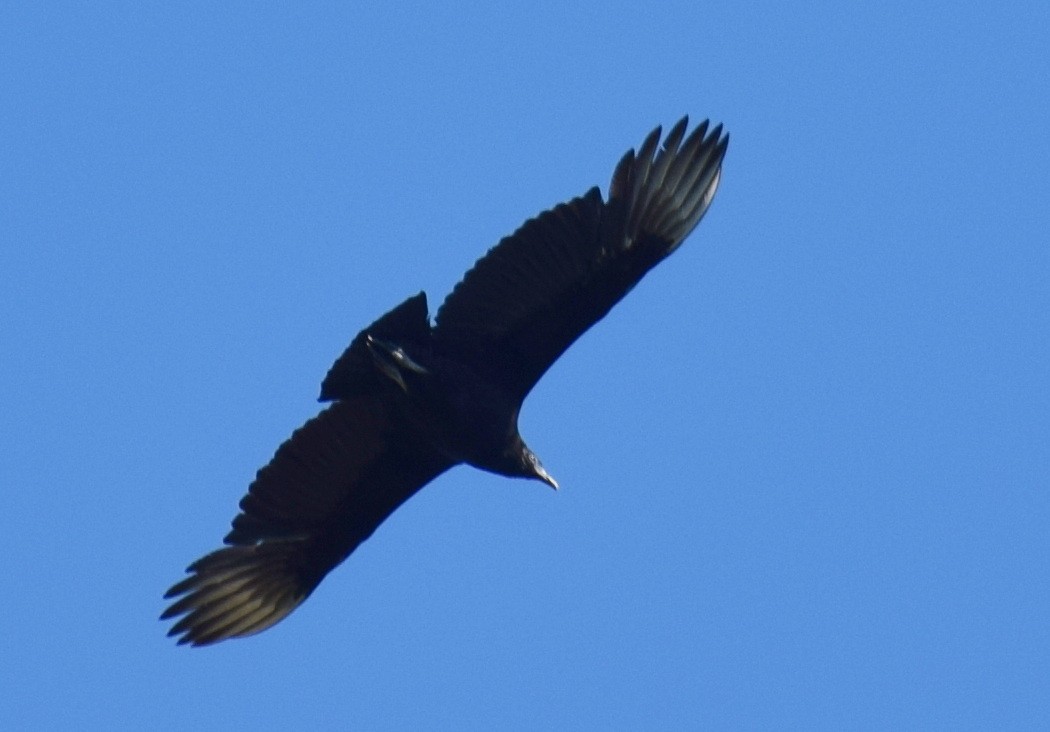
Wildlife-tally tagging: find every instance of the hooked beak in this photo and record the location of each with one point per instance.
(546, 477)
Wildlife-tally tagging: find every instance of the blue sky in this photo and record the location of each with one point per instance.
(804, 464)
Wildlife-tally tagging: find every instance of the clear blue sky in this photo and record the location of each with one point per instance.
(804, 464)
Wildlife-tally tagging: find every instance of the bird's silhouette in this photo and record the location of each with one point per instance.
(411, 399)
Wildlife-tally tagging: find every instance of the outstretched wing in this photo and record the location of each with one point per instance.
(326, 490)
(539, 289)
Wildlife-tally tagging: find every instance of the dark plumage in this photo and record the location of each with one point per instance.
(411, 400)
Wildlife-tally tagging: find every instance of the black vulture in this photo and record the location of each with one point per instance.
(409, 399)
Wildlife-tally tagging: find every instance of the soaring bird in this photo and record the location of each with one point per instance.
(411, 399)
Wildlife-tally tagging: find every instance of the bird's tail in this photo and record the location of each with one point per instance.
(666, 192)
(239, 591)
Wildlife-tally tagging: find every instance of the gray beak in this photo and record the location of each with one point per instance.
(546, 477)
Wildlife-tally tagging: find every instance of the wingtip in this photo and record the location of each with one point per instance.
(666, 197)
(235, 592)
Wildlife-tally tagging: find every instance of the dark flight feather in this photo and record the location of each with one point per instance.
(539, 289)
(411, 400)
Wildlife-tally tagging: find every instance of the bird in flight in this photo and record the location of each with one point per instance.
(411, 399)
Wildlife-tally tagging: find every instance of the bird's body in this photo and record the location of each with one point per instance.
(411, 400)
